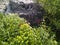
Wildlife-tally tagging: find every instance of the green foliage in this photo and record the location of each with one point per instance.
(52, 7)
(9, 26)
(52, 17)
(15, 31)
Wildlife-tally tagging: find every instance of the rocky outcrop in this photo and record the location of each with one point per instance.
(31, 11)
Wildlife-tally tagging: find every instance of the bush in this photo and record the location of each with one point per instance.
(15, 31)
(9, 26)
(52, 17)
(52, 9)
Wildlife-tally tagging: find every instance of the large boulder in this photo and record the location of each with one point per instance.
(28, 9)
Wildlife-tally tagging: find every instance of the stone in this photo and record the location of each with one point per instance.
(28, 9)
(3, 4)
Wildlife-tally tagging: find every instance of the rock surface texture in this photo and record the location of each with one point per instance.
(3, 4)
(28, 9)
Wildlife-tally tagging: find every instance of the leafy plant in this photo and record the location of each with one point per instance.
(52, 18)
(15, 31)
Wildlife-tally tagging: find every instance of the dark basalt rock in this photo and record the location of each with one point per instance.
(32, 12)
